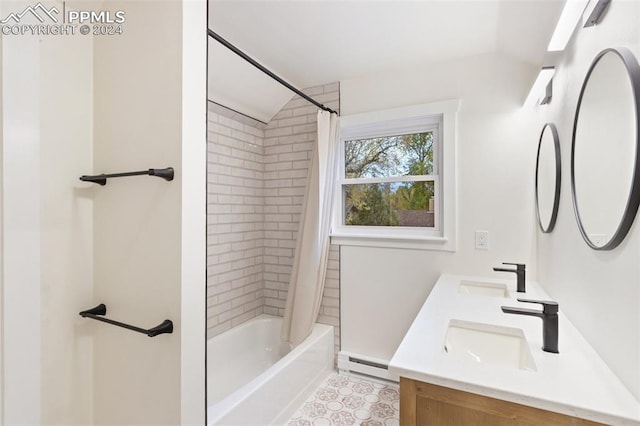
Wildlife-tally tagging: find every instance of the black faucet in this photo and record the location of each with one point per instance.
(519, 271)
(549, 315)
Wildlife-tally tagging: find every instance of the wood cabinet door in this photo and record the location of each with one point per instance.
(423, 404)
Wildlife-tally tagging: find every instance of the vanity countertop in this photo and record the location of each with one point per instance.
(575, 382)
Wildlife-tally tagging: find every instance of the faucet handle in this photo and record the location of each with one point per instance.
(518, 265)
(548, 306)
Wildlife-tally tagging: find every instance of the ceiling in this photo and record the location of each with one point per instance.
(315, 42)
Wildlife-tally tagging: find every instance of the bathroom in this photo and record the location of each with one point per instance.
(231, 149)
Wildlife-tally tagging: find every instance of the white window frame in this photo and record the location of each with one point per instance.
(439, 117)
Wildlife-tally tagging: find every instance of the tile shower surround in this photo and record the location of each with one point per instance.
(256, 181)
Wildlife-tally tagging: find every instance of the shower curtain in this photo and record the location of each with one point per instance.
(312, 245)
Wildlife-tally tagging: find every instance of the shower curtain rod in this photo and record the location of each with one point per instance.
(253, 62)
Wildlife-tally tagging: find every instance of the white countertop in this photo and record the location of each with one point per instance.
(575, 382)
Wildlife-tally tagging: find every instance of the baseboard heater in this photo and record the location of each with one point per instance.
(356, 363)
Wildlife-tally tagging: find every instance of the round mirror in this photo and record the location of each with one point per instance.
(548, 178)
(604, 152)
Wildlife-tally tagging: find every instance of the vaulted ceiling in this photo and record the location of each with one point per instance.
(315, 42)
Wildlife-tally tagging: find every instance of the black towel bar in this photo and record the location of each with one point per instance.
(166, 174)
(101, 309)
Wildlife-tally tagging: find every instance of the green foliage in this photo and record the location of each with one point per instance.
(376, 204)
(414, 196)
(370, 205)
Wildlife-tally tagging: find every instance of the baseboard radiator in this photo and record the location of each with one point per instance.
(357, 363)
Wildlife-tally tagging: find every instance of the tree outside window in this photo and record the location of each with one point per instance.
(390, 181)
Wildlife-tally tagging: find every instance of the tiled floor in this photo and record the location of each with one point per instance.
(348, 400)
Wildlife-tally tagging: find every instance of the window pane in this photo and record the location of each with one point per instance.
(390, 204)
(402, 155)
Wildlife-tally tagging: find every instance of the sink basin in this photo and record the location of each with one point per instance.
(488, 344)
(484, 289)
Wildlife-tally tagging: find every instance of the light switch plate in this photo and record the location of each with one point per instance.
(482, 240)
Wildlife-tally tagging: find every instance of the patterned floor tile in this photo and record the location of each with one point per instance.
(345, 400)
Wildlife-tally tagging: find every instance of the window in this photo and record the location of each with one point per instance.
(391, 180)
(393, 187)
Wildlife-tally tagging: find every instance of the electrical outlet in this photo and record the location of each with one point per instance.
(482, 240)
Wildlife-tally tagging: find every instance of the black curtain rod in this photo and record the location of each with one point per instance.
(253, 62)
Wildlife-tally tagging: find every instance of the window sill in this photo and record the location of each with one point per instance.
(395, 241)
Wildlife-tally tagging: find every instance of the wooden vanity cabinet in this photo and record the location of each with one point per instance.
(423, 404)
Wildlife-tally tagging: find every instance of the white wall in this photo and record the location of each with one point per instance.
(381, 288)
(238, 85)
(48, 253)
(1, 248)
(66, 220)
(194, 200)
(599, 291)
(137, 220)
(149, 239)
(21, 230)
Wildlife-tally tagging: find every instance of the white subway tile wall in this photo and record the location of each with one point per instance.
(288, 143)
(256, 189)
(235, 220)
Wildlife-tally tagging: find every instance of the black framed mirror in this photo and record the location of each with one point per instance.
(605, 149)
(548, 177)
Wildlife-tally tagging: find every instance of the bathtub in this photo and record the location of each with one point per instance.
(253, 379)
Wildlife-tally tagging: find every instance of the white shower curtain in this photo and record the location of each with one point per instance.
(312, 245)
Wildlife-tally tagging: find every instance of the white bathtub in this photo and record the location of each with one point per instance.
(252, 380)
